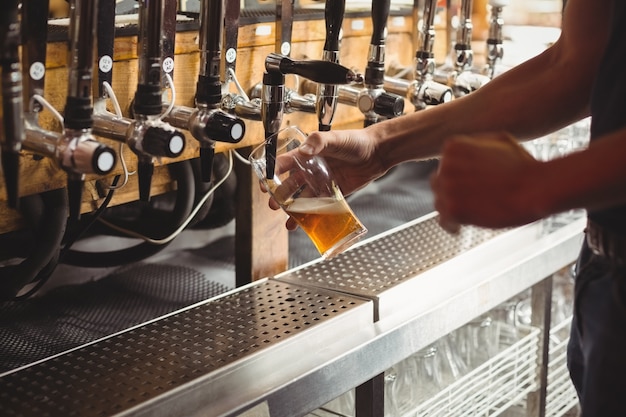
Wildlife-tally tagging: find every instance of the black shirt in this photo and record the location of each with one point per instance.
(608, 103)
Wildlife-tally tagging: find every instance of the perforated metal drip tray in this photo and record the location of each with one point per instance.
(210, 351)
(402, 265)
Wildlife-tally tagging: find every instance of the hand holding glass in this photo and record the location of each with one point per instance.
(304, 188)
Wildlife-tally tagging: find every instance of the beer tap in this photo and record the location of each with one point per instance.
(164, 140)
(495, 50)
(328, 94)
(273, 98)
(461, 77)
(12, 100)
(373, 101)
(208, 123)
(294, 101)
(423, 90)
(74, 149)
(148, 100)
(236, 103)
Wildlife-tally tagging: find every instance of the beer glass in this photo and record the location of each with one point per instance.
(304, 187)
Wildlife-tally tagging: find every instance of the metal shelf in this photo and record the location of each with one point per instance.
(287, 345)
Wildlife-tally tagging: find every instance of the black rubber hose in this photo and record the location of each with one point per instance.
(47, 212)
(185, 194)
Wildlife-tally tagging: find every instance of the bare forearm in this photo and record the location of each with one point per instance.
(540, 95)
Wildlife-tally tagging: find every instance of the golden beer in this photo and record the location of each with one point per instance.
(328, 222)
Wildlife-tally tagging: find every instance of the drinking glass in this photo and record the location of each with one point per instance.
(305, 189)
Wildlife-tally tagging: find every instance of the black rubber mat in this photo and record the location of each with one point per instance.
(70, 316)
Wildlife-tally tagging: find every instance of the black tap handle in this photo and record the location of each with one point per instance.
(284, 25)
(319, 71)
(232, 10)
(380, 15)
(35, 38)
(145, 170)
(333, 13)
(105, 43)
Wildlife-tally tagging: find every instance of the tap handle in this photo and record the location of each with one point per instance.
(380, 15)
(159, 141)
(105, 43)
(333, 13)
(145, 171)
(284, 25)
(499, 3)
(324, 72)
(34, 34)
(388, 105)
(232, 9)
(170, 8)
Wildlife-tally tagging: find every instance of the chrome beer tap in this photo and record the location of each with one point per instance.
(74, 149)
(12, 101)
(373, 101)
(423, 90)
(163, 139)
(462, 77)
(273, 100)
(294, 101)
(208, 123)
(238, 103)
(495, 50)
(148, 100)
(79, 152)
(328, 94)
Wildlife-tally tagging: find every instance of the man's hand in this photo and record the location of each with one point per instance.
(485, 180)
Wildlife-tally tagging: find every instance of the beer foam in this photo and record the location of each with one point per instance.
(321, 205)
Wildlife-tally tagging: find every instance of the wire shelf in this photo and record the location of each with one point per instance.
(492, 387)
(561, 394)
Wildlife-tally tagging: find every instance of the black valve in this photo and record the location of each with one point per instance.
(221, 127)
(389, 105)
(224, 127)
(163, 142)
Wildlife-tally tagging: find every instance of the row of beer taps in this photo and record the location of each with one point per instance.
(155, 128)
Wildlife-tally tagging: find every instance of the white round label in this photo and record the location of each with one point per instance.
(168, 64)
(105, 64)
(231, 55)
(285, 48)
(37, 71)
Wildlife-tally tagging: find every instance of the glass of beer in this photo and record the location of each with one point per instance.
(304, 187)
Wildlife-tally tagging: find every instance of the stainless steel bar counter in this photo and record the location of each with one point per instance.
(286, 345)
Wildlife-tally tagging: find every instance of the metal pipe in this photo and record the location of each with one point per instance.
(12, 101)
